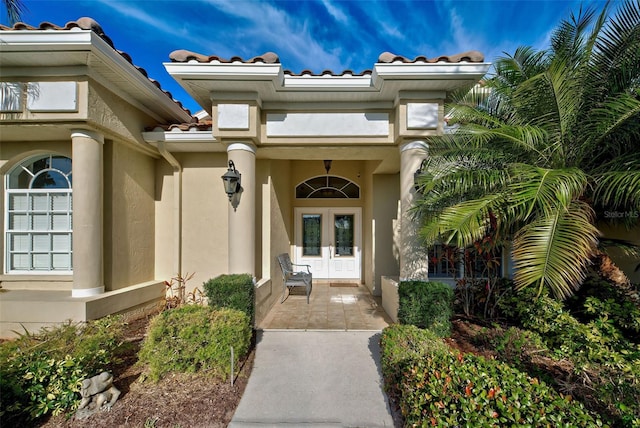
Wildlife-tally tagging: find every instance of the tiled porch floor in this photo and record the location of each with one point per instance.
(329, 308)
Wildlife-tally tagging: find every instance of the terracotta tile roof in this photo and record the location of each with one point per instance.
(90, 24)
(182, 55)
(193, 126)
(272, 58)
(469, 56)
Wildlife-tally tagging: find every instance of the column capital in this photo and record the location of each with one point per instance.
(86, 133)
(247, 147)
(414, 145)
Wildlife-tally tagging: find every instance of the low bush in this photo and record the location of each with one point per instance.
(437, 387)
(41, 373)
(426, 305)
(193, 339)
(597, 298)
(401, 344)
(234, 291)
(605, 360)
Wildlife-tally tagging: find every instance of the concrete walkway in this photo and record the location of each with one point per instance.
(315, 379)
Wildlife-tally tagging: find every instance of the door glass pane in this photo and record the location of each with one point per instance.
(343, 234)
(311, 234)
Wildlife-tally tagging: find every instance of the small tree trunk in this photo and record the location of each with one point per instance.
(607, 269)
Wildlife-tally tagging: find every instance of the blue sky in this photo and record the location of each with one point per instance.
(314, 35)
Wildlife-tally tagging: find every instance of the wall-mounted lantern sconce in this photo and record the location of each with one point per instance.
(417, 174)
(232, 187)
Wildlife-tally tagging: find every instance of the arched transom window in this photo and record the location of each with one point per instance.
(327, 187)
(38, 217)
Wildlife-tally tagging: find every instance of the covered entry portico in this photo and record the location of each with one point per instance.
(280, 129)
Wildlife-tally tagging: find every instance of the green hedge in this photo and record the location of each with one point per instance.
(195, 338)
(437, 387)
(602, 356)
(41, 373)
(426, 305)
(232, 291)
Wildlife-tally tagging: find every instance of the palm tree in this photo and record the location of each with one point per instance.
(15, 9)
(540, 160)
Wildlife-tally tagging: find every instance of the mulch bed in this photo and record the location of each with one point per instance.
(176, 401)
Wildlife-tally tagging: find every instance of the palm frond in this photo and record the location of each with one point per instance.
(553, 251)
(541, 190)
(15, 9)
(618, 117)
(568, 39)
(616, 58)
(618, 189)
(463, 223)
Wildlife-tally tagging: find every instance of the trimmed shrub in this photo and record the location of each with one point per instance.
(195, 338)
(41, 373)
(402, 344)
(232, 291)
(606, 361)
(437, 387)
(451, 389)
(426, 305)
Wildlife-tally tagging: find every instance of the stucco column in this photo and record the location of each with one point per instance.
(88, 270)
(413, 256)
(242, 220)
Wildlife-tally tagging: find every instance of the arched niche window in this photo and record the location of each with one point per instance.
(327, 187)
(38, 217)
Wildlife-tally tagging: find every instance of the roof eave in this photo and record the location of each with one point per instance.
(31, 42)
(225, 71)
(430, 71)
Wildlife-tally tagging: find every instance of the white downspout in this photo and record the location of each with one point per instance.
(177, 206)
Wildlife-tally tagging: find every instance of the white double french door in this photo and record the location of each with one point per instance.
(329, 240)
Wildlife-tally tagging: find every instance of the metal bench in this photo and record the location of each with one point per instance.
(291, 278)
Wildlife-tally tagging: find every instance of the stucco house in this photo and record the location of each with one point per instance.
(110, 187)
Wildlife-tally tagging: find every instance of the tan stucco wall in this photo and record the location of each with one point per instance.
(204, 217)
(367, 227)
(277, 198)
(165, 185)
(115, 116)
(385, 214)
(129, 227)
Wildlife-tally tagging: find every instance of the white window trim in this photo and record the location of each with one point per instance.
(30, 232)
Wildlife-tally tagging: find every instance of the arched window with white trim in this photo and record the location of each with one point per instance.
(327, 187)
(38, 216)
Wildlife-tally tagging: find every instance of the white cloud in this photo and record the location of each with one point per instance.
(274, 28)
(335, 12)
(166, 27)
